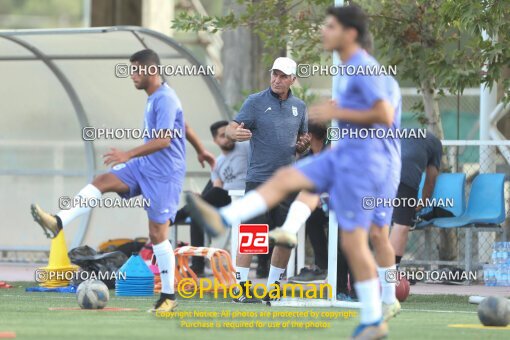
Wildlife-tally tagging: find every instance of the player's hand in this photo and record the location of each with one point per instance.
(322, 112)
(206, 156)
(303, 143)
(241, 134)
(115, 156)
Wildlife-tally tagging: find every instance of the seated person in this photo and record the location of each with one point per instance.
(229, 173)
(418, 155)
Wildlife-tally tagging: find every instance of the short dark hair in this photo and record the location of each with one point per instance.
(351, 16)
(145, 57)
(216, 126)
(318, 130)
(368, 43)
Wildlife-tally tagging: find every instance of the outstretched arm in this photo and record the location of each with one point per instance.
(382, 112)
(116, 156)
(203, 154)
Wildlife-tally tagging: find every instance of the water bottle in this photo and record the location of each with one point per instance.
(504, 275)
(501, 252)
(507, 248)
(504, 253)
(494, 276)
(486, 274)
(494, 256)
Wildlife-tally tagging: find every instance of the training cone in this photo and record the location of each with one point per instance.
(135, 278)
(59, 269)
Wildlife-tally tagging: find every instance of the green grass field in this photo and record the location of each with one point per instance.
(27, 314)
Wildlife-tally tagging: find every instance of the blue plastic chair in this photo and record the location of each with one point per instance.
(486, 204)
(485, 212)
(448, 187)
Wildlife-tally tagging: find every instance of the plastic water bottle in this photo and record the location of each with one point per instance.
(504, 275)
(501, 253)
(491, 276)
(494, 257)
(504, 253)
(486, 274)
(507, 248)
(494, 276)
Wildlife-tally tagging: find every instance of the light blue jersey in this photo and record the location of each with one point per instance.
(164, 112)
(159, 176)
(359, 170)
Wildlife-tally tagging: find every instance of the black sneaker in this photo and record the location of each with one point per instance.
(268, 299)
(307, 275)
(243, 298)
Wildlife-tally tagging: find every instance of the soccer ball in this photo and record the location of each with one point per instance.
(494, 311)
(92, 294)
(402, 289)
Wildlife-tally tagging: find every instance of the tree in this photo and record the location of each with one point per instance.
(279, 25)
(422, 36)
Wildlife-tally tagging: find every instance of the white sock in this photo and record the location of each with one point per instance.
(388, 288)
(275, 274)
(88, 192)
(370, 299)
(242, 274)
(245, 208)
(166, 264)
(296, 217)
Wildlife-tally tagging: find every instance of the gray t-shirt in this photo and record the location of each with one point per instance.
(275, 125)
(417, 155)
(231, 168)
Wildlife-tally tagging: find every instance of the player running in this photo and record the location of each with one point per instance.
(154, 170)
(353, 170)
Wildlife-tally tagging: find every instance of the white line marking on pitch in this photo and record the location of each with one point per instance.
(223, 302)
(437, 311)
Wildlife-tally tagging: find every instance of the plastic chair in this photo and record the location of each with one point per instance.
(485, 212)
(486, 204)
(449, 187)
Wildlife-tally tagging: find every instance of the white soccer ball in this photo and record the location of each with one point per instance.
(92, 294)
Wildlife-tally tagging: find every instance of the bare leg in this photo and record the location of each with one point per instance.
(385, 258)
(310, 199)
(109, 183)
(398, 238)
(363, 266)
(360, 259)
(384, 254)
(243, 260)
(280, 257)
(52, 224)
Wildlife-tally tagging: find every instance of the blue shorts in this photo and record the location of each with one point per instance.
(383, 213)
(351, 179)
(163, 194)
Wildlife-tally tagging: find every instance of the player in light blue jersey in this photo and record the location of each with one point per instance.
(155, 170)
(351, 171)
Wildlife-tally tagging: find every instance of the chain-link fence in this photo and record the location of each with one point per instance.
(433, 247)
(459, 114)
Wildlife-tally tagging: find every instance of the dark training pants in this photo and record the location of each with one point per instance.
(216, 197)
(274, 218)
(316, 231)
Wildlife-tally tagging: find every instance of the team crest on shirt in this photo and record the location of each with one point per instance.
(119, 166)
(294, 111)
